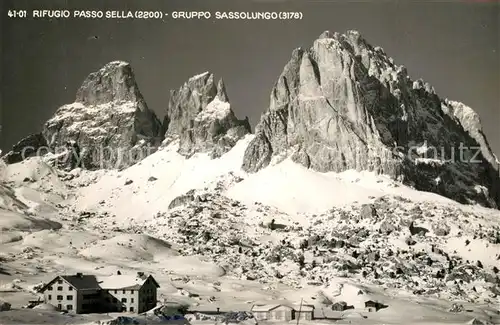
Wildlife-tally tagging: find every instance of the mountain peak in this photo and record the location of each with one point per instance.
(349, 34)
(115, 81)
(199, 115)
(353, 32)
(115, 64)
(200, 76)
(343, 104)
(108, 126)
(327, 34)
(221, 91)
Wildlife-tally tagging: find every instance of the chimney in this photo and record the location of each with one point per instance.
(80, 275)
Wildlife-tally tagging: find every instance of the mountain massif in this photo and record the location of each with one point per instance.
(345, 194)
(340, 105)
(108, 126)
(343, 104)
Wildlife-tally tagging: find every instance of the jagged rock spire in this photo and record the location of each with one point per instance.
(221, 91)
(199, 115)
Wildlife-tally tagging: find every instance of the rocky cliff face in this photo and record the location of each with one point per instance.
(199, 115)
(343, 104)
(108, 126)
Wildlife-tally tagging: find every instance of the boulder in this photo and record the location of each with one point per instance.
(4, 306)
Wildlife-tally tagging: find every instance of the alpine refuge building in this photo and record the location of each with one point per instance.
(82, 294)
(278, 312)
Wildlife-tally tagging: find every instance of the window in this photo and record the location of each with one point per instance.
(69, 307)
(50, 297)
(49, 288)
(131, 299)
(69, 297)
(70, 288)
(131, 308)
(124, 291)
(59, 281)
(116, 291)
(59, 306)
(59, 297)
(124, 300)
(59, 288)
(132, 292)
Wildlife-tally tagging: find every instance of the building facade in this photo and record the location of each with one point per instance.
(90, 294)
(304, 312)
(280, 312)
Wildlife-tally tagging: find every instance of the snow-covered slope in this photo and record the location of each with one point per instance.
(233, 239)
(139, 192)
(293, 188)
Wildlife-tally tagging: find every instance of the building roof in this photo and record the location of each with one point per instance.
(264, 308)
(116, 282)
(371, 302)
(81, 282)
(343, 303)
(304, 308)
(123, 281)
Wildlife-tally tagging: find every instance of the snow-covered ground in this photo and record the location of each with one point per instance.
(232, 239)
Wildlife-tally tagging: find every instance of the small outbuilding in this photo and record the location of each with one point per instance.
(373, 306)
(339, 306)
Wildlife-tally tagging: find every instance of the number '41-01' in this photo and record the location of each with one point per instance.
(17, 13)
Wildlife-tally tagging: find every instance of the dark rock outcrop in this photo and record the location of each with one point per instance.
(199, 115)
(344, 104)
(182, 199)
(108, 126)
(70, 158)
(32, 145)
